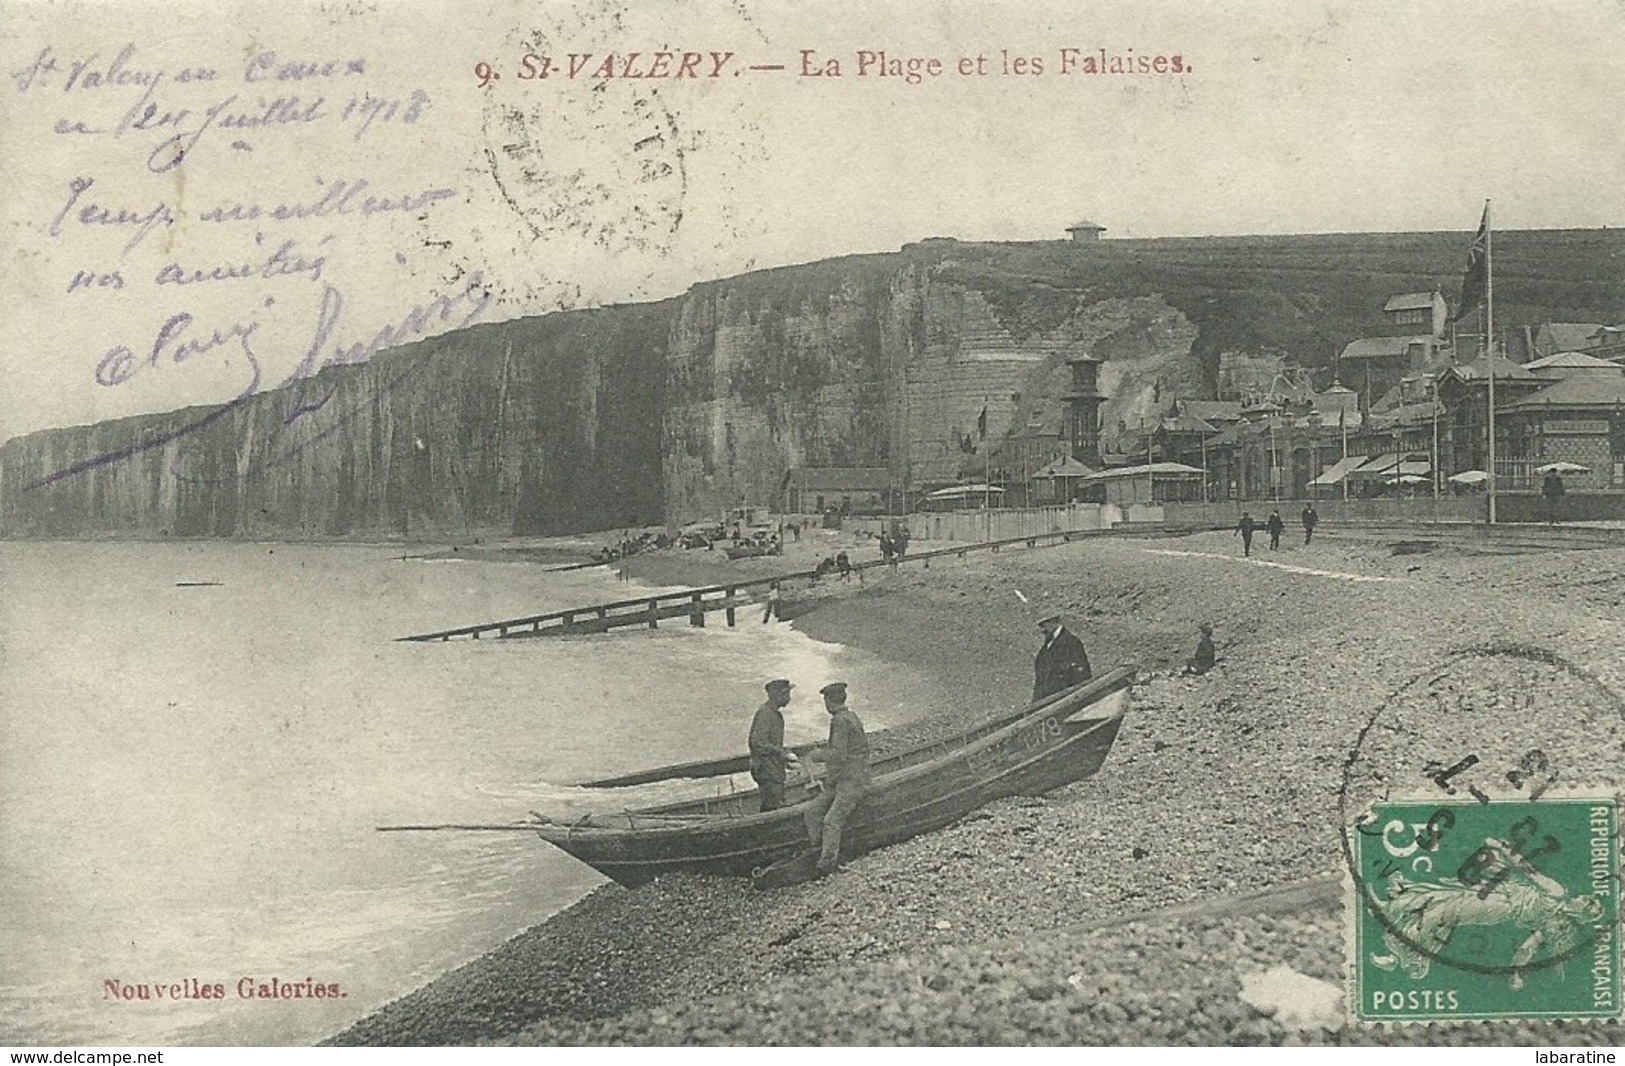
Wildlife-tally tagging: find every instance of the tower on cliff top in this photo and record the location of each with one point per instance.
(1083, 402)
(1085, 231)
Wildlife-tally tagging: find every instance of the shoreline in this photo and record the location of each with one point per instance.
(1219, 785)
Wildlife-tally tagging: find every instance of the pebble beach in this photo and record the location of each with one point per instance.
(1169, 899)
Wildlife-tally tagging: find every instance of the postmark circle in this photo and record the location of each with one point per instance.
(1492, 728)
(604, 164)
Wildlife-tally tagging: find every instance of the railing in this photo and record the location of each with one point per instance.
(1011, 523)
(696, 603)
(1419, 508)
(602, 617)
(1517, 475)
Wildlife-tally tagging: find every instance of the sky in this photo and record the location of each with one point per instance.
(497, 198)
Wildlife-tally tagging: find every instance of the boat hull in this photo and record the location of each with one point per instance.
(1060, 742)
(738, 764)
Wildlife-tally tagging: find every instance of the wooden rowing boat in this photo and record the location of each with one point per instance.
(739, 764)
(1035, 750)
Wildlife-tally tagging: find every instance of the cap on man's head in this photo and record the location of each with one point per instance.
(778, 684)
(834, 688)
(1049, 619)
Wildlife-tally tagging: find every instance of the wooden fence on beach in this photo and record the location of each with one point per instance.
(696, 603)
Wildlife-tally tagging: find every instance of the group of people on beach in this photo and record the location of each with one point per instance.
(1274, 525)
(839, 563)
(893, 548)
(846, 777)
(1060, 664)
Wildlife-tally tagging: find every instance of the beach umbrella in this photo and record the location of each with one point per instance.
(1562, 468)
(1468, 477)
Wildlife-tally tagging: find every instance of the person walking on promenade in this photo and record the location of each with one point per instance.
(846, 778)
(1310, 520)
(1060, 663)
(1246, 527)
(772, 611)
(1276, 528)
(844, 565)
(769, 758)
(1551, 488)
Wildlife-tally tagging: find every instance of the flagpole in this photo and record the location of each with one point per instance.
(1204, 467)
(987, 468)
(1343, 430)
(1489, 349)
(1433, 388)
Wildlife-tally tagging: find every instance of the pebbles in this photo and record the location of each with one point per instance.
(1009, 927)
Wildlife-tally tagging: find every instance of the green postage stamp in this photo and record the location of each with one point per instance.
(1498, 909)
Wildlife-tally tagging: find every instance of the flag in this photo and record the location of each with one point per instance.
(981, 424)
(1478, 267)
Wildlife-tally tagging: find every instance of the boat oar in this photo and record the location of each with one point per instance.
(500, 827)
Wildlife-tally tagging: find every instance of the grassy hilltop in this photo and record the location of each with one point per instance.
(1307, 295)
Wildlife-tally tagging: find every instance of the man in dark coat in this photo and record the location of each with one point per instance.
(1060, 663)
(1551, 487)
(1276, 527)
(1310, 520)
(769, 759)
(1245, 527)
(846, 778)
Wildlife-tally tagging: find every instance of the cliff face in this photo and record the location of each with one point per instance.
(672, 411)
(543, 425)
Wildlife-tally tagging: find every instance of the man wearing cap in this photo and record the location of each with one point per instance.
(768, 756)
(846, 777)
(1060, 663)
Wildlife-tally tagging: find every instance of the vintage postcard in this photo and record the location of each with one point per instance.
(750, 522)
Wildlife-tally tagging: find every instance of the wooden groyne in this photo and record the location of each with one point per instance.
(695, 603)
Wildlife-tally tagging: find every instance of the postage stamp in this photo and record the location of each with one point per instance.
(1479, 910)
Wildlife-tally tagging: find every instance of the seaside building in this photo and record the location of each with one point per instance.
(1580, 419)
(1373, 365)
(1083, 399)
(1084, 232)
(1550, 338)
(1417, 313)
(1463, 391)
(1610, 343)
(848, 489)
(1565, 363)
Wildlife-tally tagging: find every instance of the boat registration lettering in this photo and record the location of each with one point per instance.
(1035, 737)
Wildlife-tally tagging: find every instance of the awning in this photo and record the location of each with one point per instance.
(1153, 470)
(1412, 466)
(1338, 470)
(955, 492)
(1382, 464)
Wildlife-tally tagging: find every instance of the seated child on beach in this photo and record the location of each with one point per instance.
(1203, 660)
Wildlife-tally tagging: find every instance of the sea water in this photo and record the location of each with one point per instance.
(197, 741)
